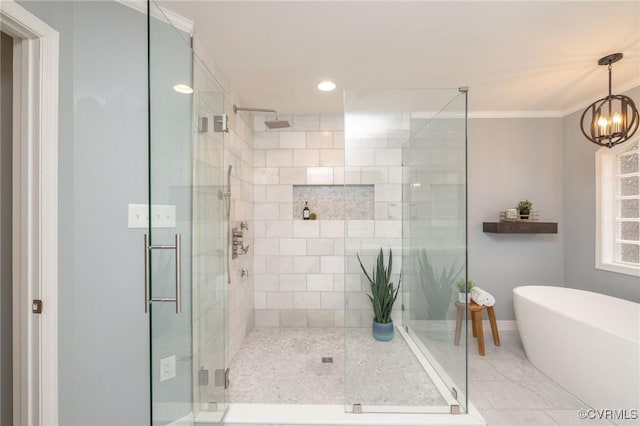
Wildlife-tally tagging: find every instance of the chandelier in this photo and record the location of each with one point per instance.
(610, 120)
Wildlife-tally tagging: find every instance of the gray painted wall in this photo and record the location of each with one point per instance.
(6, 206)
(580, 215)
(510, 160)
(103, 330)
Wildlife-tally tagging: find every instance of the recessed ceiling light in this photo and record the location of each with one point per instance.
(183, 88)
(326, 86)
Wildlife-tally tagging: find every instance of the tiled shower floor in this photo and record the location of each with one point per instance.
(284, 366)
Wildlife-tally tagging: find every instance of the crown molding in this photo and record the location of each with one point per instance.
(515, 114)
(487, 114)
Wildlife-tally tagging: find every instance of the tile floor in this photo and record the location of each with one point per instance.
(283, 365)
(508, 390)
(504, 386)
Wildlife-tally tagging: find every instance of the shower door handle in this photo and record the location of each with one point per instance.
(178, 252)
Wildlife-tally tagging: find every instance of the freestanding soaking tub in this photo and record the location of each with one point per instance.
(586, 342)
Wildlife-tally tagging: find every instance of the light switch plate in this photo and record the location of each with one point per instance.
(164, 216)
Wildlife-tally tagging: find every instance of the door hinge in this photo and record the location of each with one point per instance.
(203, 377)
(222, 378)
(36, 306)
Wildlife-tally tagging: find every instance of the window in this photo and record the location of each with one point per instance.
(618, 209)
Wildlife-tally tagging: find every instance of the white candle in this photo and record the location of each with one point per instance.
(602, 123)
(617, 121)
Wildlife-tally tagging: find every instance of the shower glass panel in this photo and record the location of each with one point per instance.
(186, 232)
(434, 239)
(388, 146)
(210, 209)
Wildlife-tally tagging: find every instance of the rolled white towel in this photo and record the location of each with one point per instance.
(481, 297)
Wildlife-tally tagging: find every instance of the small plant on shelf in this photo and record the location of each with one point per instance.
(524, 208)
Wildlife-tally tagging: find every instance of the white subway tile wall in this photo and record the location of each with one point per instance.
(300, 265)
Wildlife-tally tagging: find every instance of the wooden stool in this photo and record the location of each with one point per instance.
(476, 323)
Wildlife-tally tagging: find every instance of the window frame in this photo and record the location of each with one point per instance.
(606, 207)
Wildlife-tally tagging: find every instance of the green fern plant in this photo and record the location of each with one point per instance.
(383, 294)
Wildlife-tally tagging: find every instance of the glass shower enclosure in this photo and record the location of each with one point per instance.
(185, 293)
(407, 150)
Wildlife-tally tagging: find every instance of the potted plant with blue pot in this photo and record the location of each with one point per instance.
(383, 296)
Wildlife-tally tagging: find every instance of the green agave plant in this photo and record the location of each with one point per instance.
(383, 295)
(436, 285)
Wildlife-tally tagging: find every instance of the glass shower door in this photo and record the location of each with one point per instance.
(186, 292)
(434, 239)
(408, 147)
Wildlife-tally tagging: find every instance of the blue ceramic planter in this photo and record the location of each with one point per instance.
(382, 332)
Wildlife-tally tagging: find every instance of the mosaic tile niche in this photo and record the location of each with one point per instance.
(335, 202)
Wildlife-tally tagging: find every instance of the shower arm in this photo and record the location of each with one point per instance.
(236, 109)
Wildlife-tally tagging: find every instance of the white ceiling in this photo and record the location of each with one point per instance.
(536, 57)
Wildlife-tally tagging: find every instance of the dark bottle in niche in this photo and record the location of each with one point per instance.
(305, 211)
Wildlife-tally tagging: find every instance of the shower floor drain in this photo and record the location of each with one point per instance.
(327, 359)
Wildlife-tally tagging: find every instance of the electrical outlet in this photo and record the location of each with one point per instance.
(167, 368)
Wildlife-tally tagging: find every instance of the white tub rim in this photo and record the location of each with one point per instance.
(628, 332)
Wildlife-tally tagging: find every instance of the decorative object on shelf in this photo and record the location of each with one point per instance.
(524, 208)
(436, 285)
(313, 216)
(464, 290)
(383, 296)
(613, 119)
(511, 214)
(534, 216)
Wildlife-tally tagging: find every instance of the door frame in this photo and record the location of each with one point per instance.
(35, 215)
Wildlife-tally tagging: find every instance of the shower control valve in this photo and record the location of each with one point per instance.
(237, 245)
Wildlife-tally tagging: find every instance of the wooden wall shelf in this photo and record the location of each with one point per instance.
(520, 227)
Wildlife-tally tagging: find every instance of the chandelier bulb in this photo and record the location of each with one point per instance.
(617, 118)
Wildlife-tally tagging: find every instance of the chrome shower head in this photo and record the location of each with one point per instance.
(277, 124)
